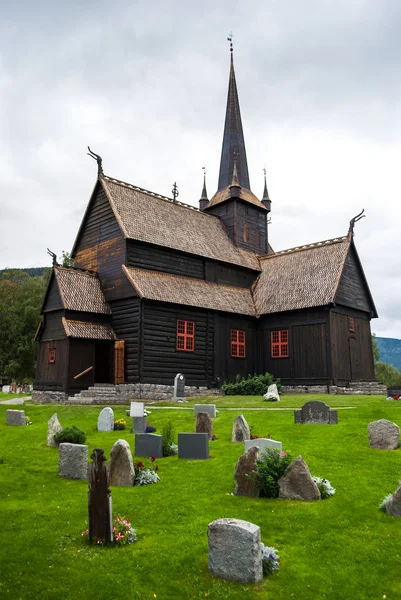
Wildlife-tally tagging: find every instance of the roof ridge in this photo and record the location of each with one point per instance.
(79, 270)
(336, 240)
(154, 194)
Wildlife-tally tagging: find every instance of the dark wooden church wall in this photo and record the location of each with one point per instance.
(255, 219)
(82, 356)
(52, 376)
(75, 315)
(126, 315)
(165, 260)
(101, 247)
(352, 290)
(160, 360)
(352, 354)
(225, 274)
(309, 359)
(227, 367)
(226, 213)
(53, 298)
(52, 328)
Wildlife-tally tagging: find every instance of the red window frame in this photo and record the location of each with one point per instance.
(279, 343)
(351, 324)
(238, 343)
(52, 356)
(185, 336)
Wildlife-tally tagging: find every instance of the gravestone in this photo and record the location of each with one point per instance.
(137, 409)
(263, 443)
(53, 426)
(179, 387)
(138, 425)
(105, 420)
(241, 431)
(210, 409)
(272, 394)
(383, 435)
(393, 506)
(73, 461)
(149, 444)
(15, 417)
(100, 517)
(194, 446)
(6, 389)
(316, 413)
(246, 481)
(204, 424)
(297, 482)
(13, 387)
(122, 472)
(234, 550)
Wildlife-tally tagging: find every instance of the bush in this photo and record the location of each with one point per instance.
(269, 468)
(168, 435)
(387, 374)
(253, 385)
(72, 435)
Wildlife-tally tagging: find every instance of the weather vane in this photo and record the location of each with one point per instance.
(230, 39)
(174, 191)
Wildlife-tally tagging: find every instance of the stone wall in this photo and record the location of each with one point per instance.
(48, 397)
(153, 391)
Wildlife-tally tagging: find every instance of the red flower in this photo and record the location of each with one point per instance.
(156, 468)
(153, 458)
(140, 464)
(396, 397)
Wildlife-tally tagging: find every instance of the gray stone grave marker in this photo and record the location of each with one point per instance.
(105, 420)
(384, 435)
(234, 550)
(204, 424)
(262, 443)
(241, 431)
(15, 417)
(122, 472)
(210, 409)
(194, 446)
(246, 483)
(179, 387)
(316, 413)
(148, 444)
(73, 461)
(53, 426)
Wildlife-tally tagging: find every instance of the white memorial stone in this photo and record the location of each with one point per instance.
(53, 426)
(210, 409)
(7, 388)
(262, 443)
(105, 421)
(137, 409)
(272, 393)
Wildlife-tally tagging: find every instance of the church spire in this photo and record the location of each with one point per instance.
(233, 137)
(203, 200)
(267, 203)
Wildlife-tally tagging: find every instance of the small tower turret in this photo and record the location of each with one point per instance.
(267, 203)
(204, 200)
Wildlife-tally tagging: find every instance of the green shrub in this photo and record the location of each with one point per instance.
(168, 435)
(387, 374)
(73, 435)
(269, 468)
(253, 385)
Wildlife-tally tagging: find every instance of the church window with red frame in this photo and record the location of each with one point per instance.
(279, 343)
(185, 335)
(237, 339)
(52, 355)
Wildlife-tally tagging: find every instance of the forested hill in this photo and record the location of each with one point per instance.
(32, 272)
(390, 351)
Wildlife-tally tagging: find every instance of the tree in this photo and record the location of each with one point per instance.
(387, 374)
(375, 348)
(66, 260)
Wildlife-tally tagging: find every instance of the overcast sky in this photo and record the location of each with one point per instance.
(144, 83)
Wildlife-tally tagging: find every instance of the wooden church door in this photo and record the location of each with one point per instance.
(354, 358)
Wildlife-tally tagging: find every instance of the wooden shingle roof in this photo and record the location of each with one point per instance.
(152, 218)
(80, 290)
(190, 292)
(88, 331)
(300, 277)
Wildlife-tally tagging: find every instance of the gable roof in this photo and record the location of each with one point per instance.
(301, 277)
(243, 194)
(190, 292)
(79, 290)
(149, 217)
(88, 331)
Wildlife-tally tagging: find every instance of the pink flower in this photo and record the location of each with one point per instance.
(127, 521)
(283, 454)
(119, 536)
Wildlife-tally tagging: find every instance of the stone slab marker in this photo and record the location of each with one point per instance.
(105, 420)
(263, 443)
(73, 461)
(393, 507)
(15, 417)
(137, 409)
(297, 482)
(383, 435)
(204, 424)
(179, 387)
(234, 550)
(210, 409)
(246, 481)
(241, 431)
(122, 472)
(148, 444)
(193, 446)
(316, 413)
(272, 394)
(53, 426)
(138, 425)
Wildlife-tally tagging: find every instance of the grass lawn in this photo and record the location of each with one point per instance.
(340, 548)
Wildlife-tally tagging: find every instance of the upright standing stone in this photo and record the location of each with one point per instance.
(138, 425)
(210, 409)
(122, 472)
(149, 444)
(204, 424)
(53, 427)
(137, 409)
(234, 550)
(15, 417)
(241, 430)
(73, 461)
(297, 482)
(6, 389)
(384, 435)
(246, 481)
(99, 498)
(179, 387)
(272, 394)
(105, 421)
(193, 446)
(393, 506)
(316, 413)
(263, 443)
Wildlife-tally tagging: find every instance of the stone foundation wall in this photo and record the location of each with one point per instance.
(355, 388)
(153, 391)
(48, 397)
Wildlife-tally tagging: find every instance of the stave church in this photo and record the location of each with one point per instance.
(160, 287)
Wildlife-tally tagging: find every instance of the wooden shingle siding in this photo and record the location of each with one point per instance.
(99, 225)
(352, 289)
(229, 275)
(161, 360)
(154, 258)
(126, 325)
(52, 326)
(53, 299)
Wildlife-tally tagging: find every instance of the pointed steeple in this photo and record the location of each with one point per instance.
(203, 200)
(267, 203)
(233, 137)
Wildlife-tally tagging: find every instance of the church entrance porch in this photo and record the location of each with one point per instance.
(90, 362)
